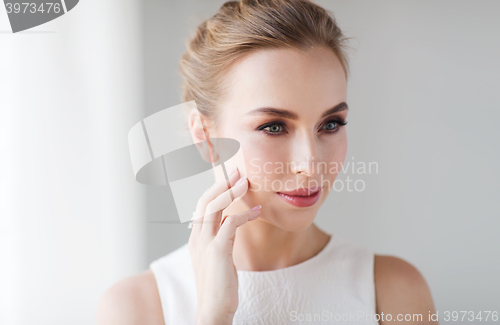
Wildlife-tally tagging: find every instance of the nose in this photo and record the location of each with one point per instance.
(303, 154)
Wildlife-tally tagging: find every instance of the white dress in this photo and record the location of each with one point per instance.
(336, 286)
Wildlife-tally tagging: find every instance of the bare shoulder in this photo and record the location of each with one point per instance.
(132, 301)
(401, 289)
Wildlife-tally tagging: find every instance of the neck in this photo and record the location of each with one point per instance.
(261, 246)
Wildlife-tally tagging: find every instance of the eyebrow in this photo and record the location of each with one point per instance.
(292, 115)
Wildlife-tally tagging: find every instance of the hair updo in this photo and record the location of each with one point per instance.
(239, 28)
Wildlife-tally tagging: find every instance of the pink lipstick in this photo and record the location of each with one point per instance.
(302, 197)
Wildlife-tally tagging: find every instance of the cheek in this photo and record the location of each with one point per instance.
(333, 158)
(262, 162)
(336, 150)
(256, 159)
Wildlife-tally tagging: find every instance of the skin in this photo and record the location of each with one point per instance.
(278, 235)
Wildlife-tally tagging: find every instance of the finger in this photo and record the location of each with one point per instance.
(228, 228)
(210, 194)
(212, 218)
(224, 199)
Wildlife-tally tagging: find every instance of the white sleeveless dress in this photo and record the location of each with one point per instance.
(336, 286)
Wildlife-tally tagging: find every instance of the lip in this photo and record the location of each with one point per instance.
(302, 197)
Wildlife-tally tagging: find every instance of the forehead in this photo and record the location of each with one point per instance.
(286, 78)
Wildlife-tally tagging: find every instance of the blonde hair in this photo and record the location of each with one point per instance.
(237, 29)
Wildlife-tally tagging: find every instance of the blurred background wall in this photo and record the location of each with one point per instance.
(423, 97)
(72, 217)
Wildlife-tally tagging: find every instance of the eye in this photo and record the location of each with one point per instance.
(273, 128)
(330, 125)
(333, 125)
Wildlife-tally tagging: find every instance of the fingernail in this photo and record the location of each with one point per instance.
(232, 170)
(257, 207)
(241, 181)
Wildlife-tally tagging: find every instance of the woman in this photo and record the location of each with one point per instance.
(271, 74)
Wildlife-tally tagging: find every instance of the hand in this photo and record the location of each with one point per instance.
(211, 249)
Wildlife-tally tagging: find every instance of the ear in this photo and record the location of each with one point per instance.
(196, 127)
(201, 137)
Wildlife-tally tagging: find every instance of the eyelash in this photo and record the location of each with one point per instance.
(264, 126)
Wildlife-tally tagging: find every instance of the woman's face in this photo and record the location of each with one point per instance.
(285, 107)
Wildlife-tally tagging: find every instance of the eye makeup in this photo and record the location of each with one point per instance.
(338, 121)
(278, 128)
(280, 124)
